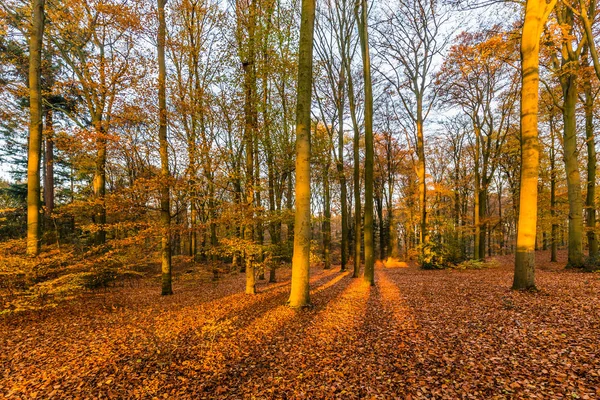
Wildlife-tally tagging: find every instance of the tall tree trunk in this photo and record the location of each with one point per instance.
(536, 14)
(379, 206)
(356, 182)
(165, 206)
(483, 199)
(340, 168)
(363, 30)
(572, 169)
(248, 58)
(260, 231)
(326, 226)
(99, 182)
(422, 177)
(49, 164)
(300, 290)
(554, 231)
(35, 128)
(477, 208)
(590, 199)
(393, 246)
(500, 219)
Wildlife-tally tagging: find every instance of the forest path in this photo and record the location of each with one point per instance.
(416, 334)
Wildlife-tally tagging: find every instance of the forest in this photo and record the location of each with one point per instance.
(299, 199)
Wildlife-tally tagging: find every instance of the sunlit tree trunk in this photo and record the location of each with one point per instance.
(536, 14)
(35, 128)
(300, 290)
(361, 17)
(165, 201)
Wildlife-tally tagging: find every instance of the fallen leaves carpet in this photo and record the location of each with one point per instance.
(416, 334)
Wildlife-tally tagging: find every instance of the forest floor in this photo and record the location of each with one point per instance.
(416, 334)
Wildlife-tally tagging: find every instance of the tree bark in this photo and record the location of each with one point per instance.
(49, 164)
(165, 201)
(536, 14)
(35, 128)
(590, 199)
(369, 275)
(300, 290)
(340, 168)
(575, 248)
(326, 226)
(554, 229)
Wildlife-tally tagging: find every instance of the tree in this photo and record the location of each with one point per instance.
(99, 49)
(300, 290)
(165, 192)
(35, 127)
(536, 15)
(362, 22)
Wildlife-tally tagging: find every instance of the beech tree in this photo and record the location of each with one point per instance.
(36, 35)
(165, 191)
(536, 15)
(300, 290)
(362, 22)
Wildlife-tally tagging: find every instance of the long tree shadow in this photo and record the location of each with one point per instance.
(259, 347)
(183, 343)
(126, 344)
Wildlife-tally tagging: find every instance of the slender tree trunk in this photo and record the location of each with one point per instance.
(422, 178)
(572, 169)
(483, 199)
(356, 176)
(300, 290)
(35, 128)
(248, 58)
(326, 226)
(99, 182)
(501, 219)
(379, 206)
(393, 247)
(477, 214)
(193, 225)
(290, 206)
(165, 206)
(49, 165)
(536, 14)
(260, 232)
(554, 231)
(340, 168)
(590, 199)
(362, 19)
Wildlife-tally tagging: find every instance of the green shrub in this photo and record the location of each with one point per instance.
(441, 255)
(592, 264)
